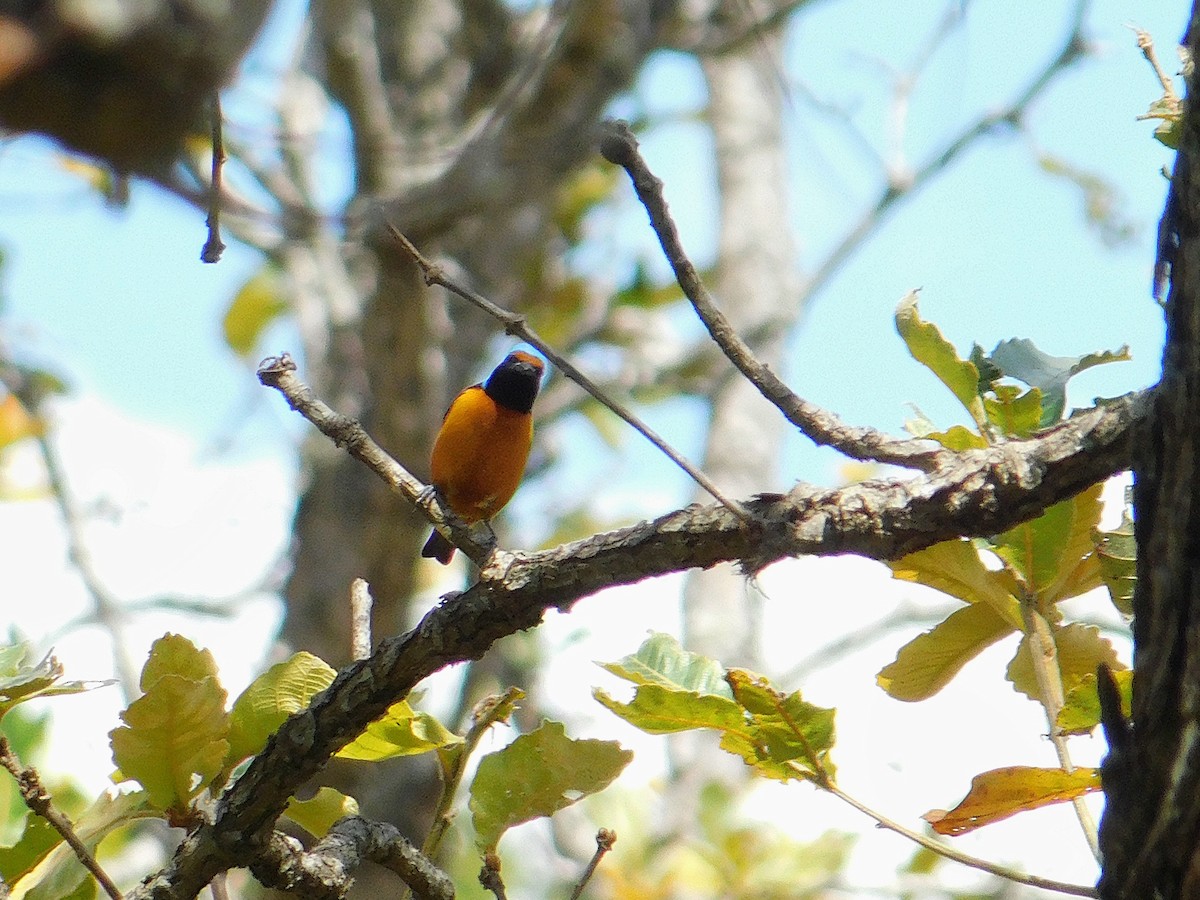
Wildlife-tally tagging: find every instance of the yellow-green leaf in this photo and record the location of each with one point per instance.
(928, 347)
(173, 654)
(1001, 793)
(928, 662)
(785, 737)
(1116, 553)
(1013, 412)
(255, 306)
(1049, 553)
(317, 814)
(662, 661)
(1081, 707)
(401, 731)
(283, 689)
(1079, 649)
(20, 682)
(958, 437)
(661, 710)
(59, 873)
(174, 739)
(954, 568)
(537, 775)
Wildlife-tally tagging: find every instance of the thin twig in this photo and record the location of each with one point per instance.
(1146, 44)
(489, 876)
(900, 187)
(515, 324)
(106, 607)
(948, 852)
(38, 800)
(619, 146)
(1043, 654)
(360, 619)
(214, 246)
(279, 372)
(604, 843)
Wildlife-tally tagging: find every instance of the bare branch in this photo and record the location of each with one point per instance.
(489, 876)
(515, 324)
(214, 246)
(38, 800)
(360, 619)
(619, 146)
(604, 843)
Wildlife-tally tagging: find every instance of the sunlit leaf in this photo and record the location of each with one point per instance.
(928, 347)
(317, 814)
(928, 662)
(283, 689)
(1001, 793)
(254, 307)
(1021, 359)
(59, 873)
(20, 682)
(662, 661)
(1081, 706)
(1049, 552)
(662, 710)
(955, 568)
(1013, 412)
(1116, 552)
(537, 775)
(1079, 649)
(958, 437)
(37, 839)
(174, 739)
(785, 736)
(401, 731)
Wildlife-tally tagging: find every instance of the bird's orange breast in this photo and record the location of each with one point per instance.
(480, 454)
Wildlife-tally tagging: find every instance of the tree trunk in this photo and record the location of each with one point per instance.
(1150, 834)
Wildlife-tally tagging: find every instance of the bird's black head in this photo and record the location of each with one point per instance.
(514, 383)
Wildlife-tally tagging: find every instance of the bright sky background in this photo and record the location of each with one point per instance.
(186, 466)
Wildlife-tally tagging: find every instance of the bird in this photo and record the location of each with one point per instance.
(480, 451)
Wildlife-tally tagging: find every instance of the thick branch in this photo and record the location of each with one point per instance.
(984, 492)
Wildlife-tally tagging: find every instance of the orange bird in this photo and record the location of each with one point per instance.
(480, 452)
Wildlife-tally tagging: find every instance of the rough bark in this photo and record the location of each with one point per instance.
(1150, 834)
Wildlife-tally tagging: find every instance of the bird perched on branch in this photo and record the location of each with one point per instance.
(480, 452)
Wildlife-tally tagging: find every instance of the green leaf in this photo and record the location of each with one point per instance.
(173, 654)
(255, 306)
(537, 775)
(283, 689)
(1052, 554)
(1079, 650)
(20, 682)
(174, 740)
(954, 568)
(1021, 359)
(662, 661)
(1014, 413)
(928, 662)
(661, 710)
(60, 873)
(1116, 552)
(317, 814)
(928, 347)
(1081, 706)
(958, 437)
(1001, 793)
(786, 737)
(37, 839)
(401, 731)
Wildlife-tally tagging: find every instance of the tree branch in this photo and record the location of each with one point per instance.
(983, 492)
